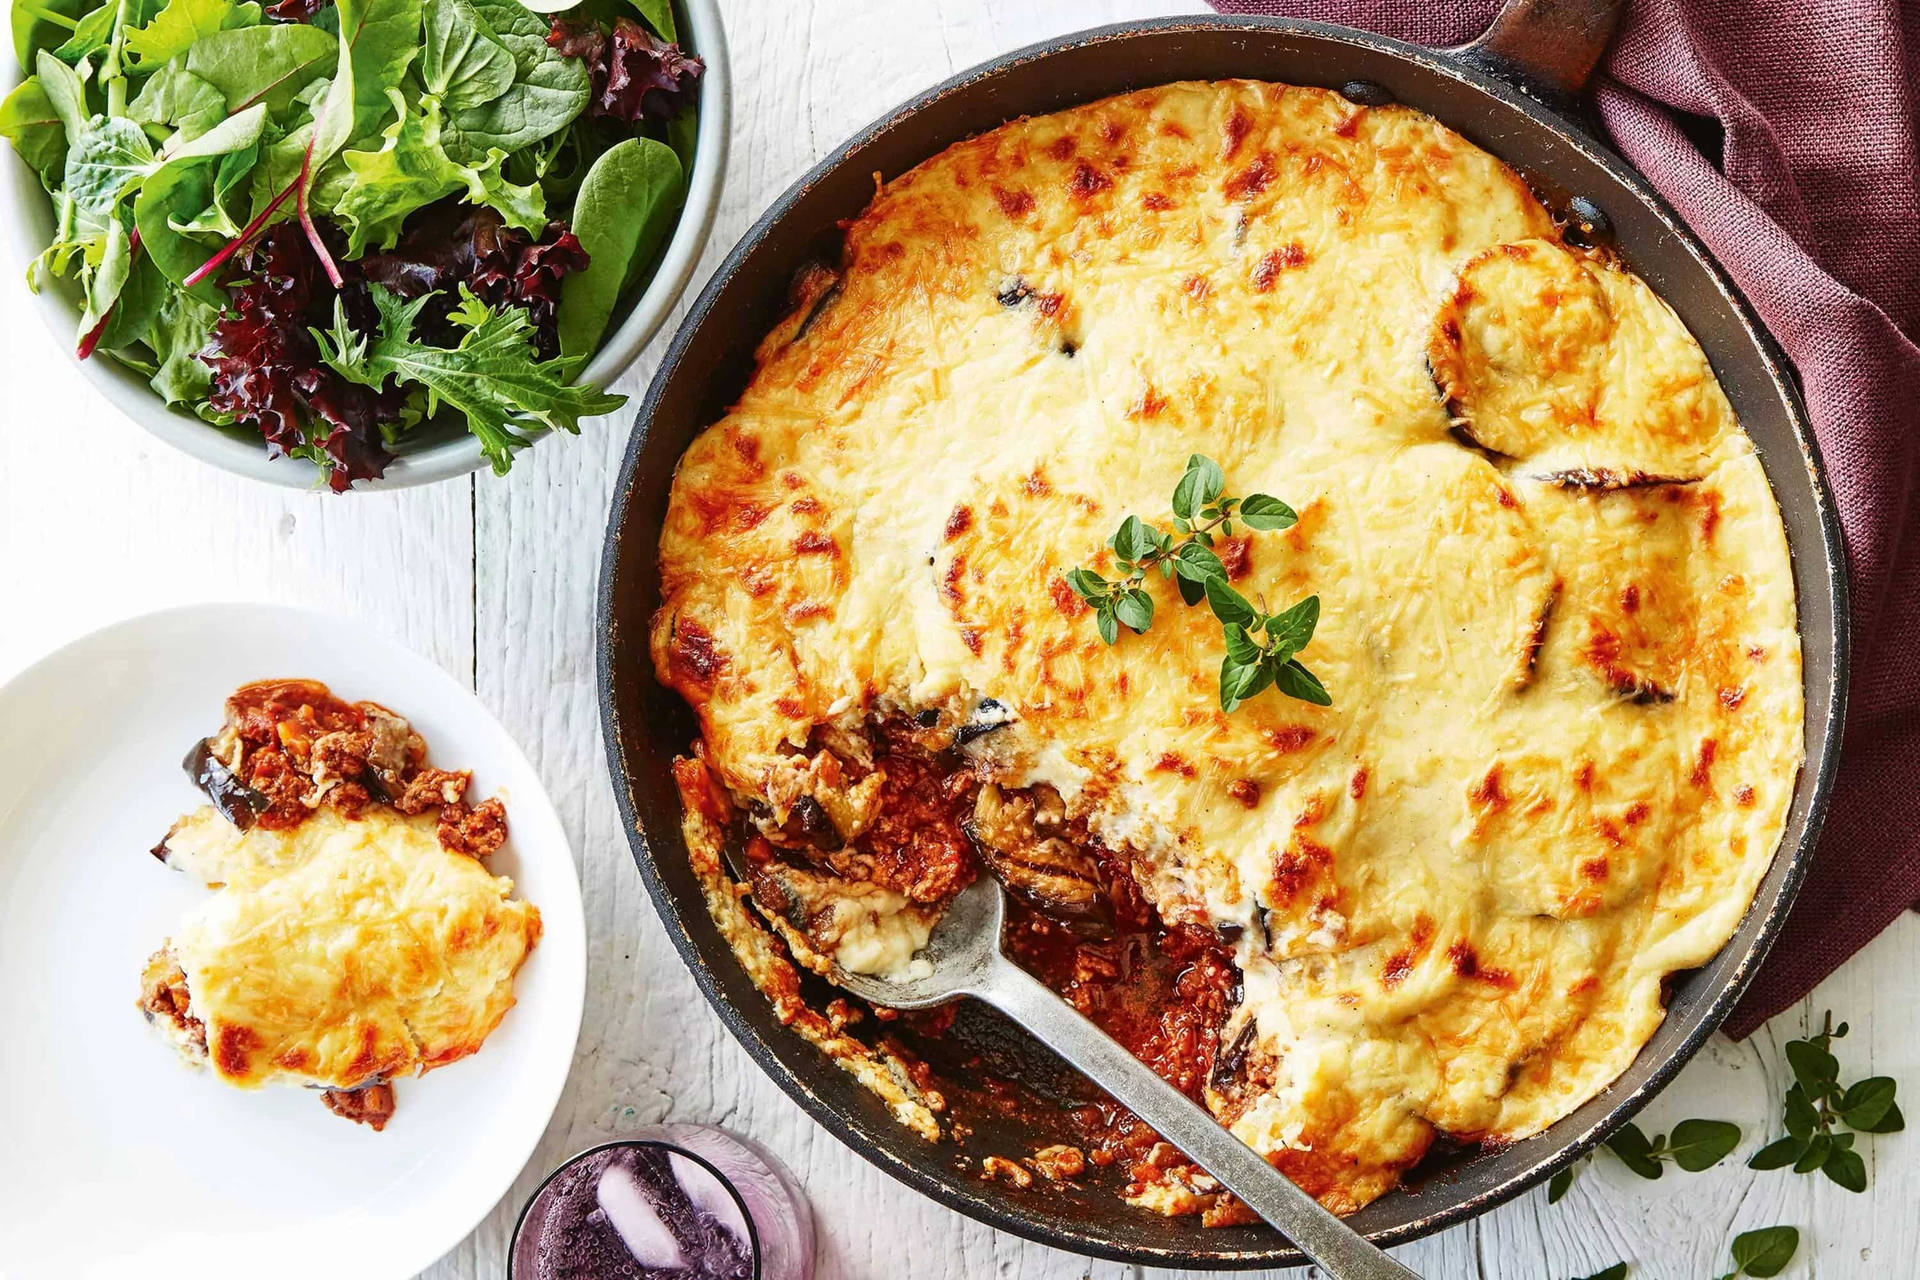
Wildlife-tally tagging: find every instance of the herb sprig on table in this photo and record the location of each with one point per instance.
(1260, 647)
(1694, 1145)
(1763, 1252)
(1816, 1105)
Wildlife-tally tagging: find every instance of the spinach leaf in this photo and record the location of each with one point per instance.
(378, 39)
(269, 64)
(28, 120)
(659, 16)
(683, 132)
(65, 94)
(548, 92)
(108, 277)
(175, 28)
(178, 331)
(464, 63)
(181, 189)
(176, 102)
(493, 377)
(141, 297)
(90, 36)
(111, 155)
(43, 24)
(623, 214)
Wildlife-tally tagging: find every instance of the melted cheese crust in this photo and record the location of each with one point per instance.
(1566, 717)
(346, 949)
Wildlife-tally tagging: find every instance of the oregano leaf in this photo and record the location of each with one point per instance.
(1701, 1144)
(1263, 512)
(1766, 1251)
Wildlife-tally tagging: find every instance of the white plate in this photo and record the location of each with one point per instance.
(116, 1157)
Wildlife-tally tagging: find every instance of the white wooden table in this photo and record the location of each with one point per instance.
(495, 580)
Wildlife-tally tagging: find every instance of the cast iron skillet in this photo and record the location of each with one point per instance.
(1510, 92)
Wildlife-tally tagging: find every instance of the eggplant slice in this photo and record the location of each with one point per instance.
(1573, 370)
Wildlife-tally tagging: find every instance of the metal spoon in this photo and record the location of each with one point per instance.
(967, 961)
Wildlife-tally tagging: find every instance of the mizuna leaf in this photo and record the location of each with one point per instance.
(1560, 1184)
(175, 100)
(492, 377)
(1618, 1271)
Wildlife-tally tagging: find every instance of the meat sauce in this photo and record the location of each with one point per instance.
(1162, 991)
(915, 845)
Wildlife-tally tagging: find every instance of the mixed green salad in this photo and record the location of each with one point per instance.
(332, 221)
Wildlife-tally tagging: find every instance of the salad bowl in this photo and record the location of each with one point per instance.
(431, 454)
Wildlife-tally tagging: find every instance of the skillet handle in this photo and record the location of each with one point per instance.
(1545, 48)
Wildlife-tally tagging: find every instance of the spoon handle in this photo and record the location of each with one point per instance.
(1342, 1251)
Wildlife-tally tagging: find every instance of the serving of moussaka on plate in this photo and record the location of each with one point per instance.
(356, 934)
(1556, 631)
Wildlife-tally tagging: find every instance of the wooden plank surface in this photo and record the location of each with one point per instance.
(495, 580)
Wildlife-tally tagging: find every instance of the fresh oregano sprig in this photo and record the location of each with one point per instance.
(1817, 1101)
(1694, 1145)
(1763, 1252)
(1260, 646)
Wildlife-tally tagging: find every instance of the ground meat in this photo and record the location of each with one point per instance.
(300, 747)
(164, 995)
(915, 845)
(476, 832)
(273, 775)
(431, 788)
(1162, 992)
(371, 1105)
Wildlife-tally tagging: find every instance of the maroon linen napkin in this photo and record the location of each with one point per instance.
(1814, 208)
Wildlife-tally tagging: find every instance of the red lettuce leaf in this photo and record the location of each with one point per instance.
(449, 244)
(267, 371)
(634, 75)
(266, 367)
(296, 10)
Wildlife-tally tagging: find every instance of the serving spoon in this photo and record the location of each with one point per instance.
(965, 959)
